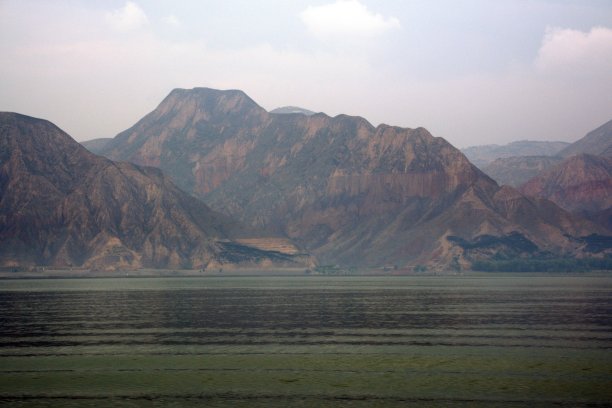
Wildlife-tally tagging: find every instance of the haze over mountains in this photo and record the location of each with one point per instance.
(351, 193)
(62, 206)
(516, 170)
(577, 177)
(597, 142)
(96, 145)
(483, 155)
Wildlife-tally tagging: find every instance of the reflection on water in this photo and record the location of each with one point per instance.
(457, 341)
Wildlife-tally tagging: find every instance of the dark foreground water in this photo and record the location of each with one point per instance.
(349, 342)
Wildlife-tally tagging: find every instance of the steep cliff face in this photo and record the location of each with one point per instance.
(351, 192)
(61, 205)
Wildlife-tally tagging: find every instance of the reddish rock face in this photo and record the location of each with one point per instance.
(581, 184)
(351, 192)
(61, 205)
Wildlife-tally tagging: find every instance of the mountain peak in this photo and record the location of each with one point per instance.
(288, 110)
(213, 100)
(205, 91)
(183, 109)
(192, 105)
(14, 119)
(29, 144)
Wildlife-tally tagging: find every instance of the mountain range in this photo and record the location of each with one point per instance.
(62, 206)
(484, 155)
(578, 178)
(349, 192)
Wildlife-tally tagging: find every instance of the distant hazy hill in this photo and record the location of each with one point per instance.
(514, 171)
(597, 142)
(581, 183)
(96, 145)
(353, 193)
(292, 109)
(61, 205)
(485, 154)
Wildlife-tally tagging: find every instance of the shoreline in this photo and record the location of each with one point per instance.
(281, 272)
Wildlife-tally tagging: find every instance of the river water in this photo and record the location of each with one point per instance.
(490, 340)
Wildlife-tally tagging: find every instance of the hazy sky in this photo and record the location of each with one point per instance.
(472, 71)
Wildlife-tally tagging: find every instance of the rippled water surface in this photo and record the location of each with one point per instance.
(312, 341)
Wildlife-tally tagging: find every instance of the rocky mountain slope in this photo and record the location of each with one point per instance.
(581, 184)
(516, 170)
(61, 205)
(483, 155)
(352, 193)
(597, 142)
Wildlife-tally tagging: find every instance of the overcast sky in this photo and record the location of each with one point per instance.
(472, 71)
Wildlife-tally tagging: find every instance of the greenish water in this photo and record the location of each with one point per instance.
(307, 341)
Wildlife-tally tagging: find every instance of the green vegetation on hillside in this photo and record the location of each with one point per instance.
(335, 270)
